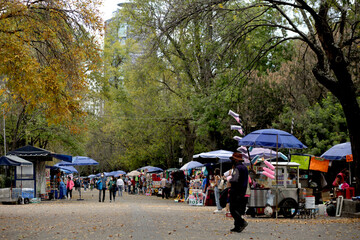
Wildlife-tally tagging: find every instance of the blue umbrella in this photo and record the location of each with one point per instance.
(271, 138)
(117, 173)
(79, 160)
(106, 174)
(191, 165)
(68, 169)
(338, 152)
(92, 176)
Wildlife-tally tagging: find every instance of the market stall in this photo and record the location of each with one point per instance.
(264, 186)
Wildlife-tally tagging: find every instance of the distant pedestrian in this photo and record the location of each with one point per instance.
(120, 185)
(78, 186)
(69, 187)
(101, 186)
(239, 184)
(112, 188)
(129, 186)
(216, 183)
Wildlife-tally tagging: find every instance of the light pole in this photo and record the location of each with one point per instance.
(4, 133)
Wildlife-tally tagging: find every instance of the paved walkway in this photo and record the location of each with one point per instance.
(150, 217)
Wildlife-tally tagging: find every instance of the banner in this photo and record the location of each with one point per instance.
(319, 164)
(196, 197)
(304, 161)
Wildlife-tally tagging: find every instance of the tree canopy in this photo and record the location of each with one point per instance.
(48, 48)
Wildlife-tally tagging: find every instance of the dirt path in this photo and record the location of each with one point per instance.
(150, 217)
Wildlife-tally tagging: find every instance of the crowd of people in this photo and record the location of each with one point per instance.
(230, 190)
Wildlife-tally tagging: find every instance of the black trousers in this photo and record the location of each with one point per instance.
(165, 192)
(69, 192)
(237, 209)
(103, 191)
(112, 194)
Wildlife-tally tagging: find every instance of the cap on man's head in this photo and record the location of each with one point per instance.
(237, 157)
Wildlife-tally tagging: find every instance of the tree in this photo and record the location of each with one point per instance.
(48, 48)
(332, 33)
(203, 73)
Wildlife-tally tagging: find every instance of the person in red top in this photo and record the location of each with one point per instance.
(341, 177)
(69, 186)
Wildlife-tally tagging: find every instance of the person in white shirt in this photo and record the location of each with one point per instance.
(120, 185)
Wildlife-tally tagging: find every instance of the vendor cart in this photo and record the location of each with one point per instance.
(283, 193)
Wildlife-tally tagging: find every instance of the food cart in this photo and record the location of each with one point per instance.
(267, 193)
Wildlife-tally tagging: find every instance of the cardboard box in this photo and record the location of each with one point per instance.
(325, 196)
(309, 191)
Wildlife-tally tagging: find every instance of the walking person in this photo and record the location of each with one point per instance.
(216, 183)
(112, 188)
(101, 186)
(239, 184)
(69, 186)
(78, 186)
(129, 186)
(120, 185)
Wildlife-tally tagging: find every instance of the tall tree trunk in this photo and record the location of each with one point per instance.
(352, 114)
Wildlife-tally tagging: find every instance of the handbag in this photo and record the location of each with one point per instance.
(224, 197)
(221, 184)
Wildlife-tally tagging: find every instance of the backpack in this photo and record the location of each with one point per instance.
(99, 185)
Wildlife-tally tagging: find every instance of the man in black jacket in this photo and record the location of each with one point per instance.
(239, 183)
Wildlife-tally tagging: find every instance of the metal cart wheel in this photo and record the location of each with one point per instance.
(288, 207)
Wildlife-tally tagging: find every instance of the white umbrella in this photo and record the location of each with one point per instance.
(191, 164)
(134, 173)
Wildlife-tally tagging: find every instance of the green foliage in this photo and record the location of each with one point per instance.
(319, 127)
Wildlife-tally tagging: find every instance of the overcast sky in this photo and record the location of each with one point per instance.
(109, 6)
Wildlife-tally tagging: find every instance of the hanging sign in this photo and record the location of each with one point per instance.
(304, 161)
(349, 158)
(319, 164)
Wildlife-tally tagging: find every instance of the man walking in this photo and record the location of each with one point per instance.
(101, 185)
(239, 183)
(120, 185)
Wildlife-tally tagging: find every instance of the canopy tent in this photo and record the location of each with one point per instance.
(14, 161)
(31, 151)
(150, 169)
(38, 157)
(79, 161)
(191, 165)
(219, 155)
(5, 161)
